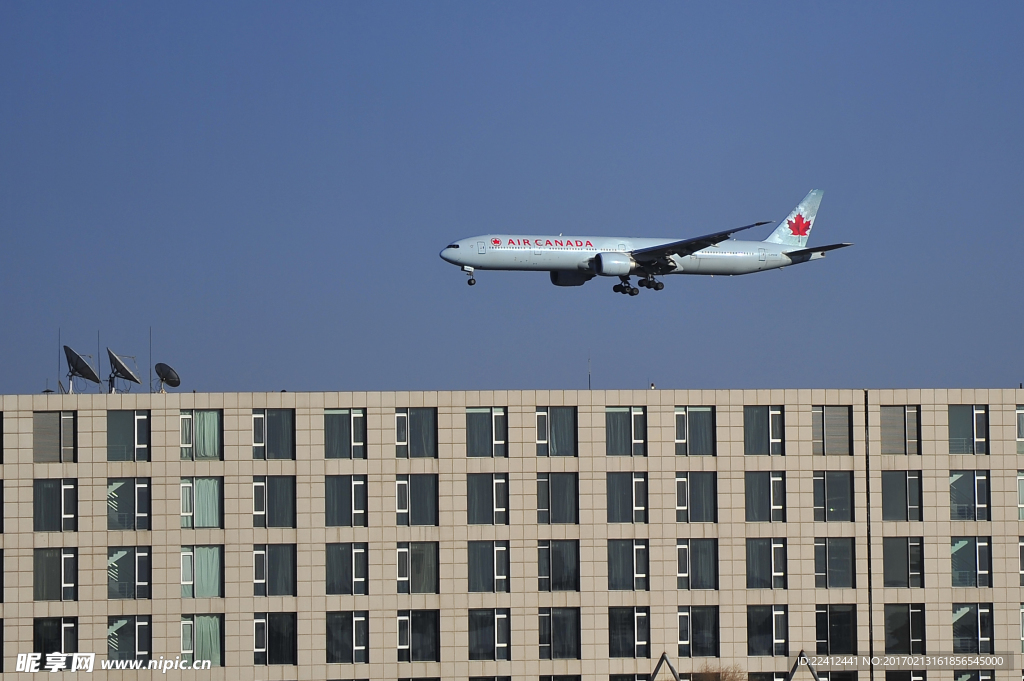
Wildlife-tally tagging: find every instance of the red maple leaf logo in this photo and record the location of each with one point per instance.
(798, 226)
(496, 242)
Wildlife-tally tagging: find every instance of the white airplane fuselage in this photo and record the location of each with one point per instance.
(576, 253)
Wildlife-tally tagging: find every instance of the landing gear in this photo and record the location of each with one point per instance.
(469, 270)
(472, 281)
(649, 282)
(626, 287)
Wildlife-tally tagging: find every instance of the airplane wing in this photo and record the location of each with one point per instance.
(811, 251)
(688, 246)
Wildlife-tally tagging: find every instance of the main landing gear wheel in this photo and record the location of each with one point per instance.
(634, 291)
(618, 288)
(658, 286)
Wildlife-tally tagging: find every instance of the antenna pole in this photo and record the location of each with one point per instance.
(99, 363)
(59, 388)
(588, 372)
(150, 359)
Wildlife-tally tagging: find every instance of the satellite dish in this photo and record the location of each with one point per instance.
(118, 369)
(77, 366)
(167, 375)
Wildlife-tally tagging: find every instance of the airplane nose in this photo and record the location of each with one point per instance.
(449, 255)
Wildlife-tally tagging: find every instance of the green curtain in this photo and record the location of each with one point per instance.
(207, 502)
(207, 633)
(208, 572)
(207, 431)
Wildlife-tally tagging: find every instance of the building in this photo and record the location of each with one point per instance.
(522, 534)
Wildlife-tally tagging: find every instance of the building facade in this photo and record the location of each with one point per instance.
(516, 534)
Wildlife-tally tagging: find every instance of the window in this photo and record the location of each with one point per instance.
(55, 635)
(628, 565)
(275, 639)
(55, 574)
(345, 433)
(971, 559)
(488, 566)
(698, 631)
(629, 632)
(128, 503)
(696, 563)
(202, 638)
(969, 495)
(556, 431)
(557, 499)
(904, 628)
(345, 502)
(273, 433)
(559, 633)
(625, 431)
(836, 627)
(418, 567)
(201, 502)
(1020, 429)
(348, 569)
(127, 435)
(416, 433)
(901, 495)
(490, 634)
(901, 430)
(915, 675)
(696, 497)
(834, 563)
(487, 498)
(764, 431)
(419, 635)
(767, 630)
(129, 572)
(1020, 495)
(695, 431)
(348, 637)
(973, 628)
(487, 432)
(833, 496)
(903, 560)
(129, 637)
(974, 675)
(765, 496)
(766, 564)
(55, 437)
(416, 499)
(968, 429)
(558, 565)
(831, 430)
(202, 572)
(55, 505)
(273, 570)
(627, 497)
(273, 501)
(201, 434)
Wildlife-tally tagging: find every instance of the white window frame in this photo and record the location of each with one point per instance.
(142, 484)
(685, 633)
(776, 489)
(402, 483)
(65, 624)
(358, 481)
(405, 626)
(358, 651)
(681, 411)
(683, 478)
(640, 549)
(543, 432)
(68, 573)
(64, 446)
(361, 415)
(358, 550)
(498, 414)
(544, 479)
(502, 564)
(983, 639)
(188, 492)
(683, 558)
(780, 628)
(983, 544)
(188, 640)
(259, 621)
(259, 500)
(541, 614)
(259, 433)
(140, 622)
(640, 613)
(186, 427)
(979, 504)
(404, 565)
(259, 559)
(1020, 428)
(188, 558)
(980, 409)
(775, 438)
(637, 438)
(140, 415)
(911, 572)
(778, 544)
(499, 645)
(639, 511)
(67, 484)
(499, 513)
(1020, 551)
(141, 552)
(1020, 495)
(402, 417)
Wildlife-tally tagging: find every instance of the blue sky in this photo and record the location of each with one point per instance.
(268, 185)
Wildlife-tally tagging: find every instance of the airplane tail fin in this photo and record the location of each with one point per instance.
(794, 230)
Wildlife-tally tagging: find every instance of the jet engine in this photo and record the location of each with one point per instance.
(570, 278)
(613, 264)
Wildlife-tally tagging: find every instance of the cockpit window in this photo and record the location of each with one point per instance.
(453, 245)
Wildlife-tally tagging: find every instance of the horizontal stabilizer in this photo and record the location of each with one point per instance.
(811, 251)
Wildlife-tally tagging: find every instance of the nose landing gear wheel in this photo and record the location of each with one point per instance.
(472, 281)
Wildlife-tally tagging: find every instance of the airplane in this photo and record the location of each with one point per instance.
(575, 260)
